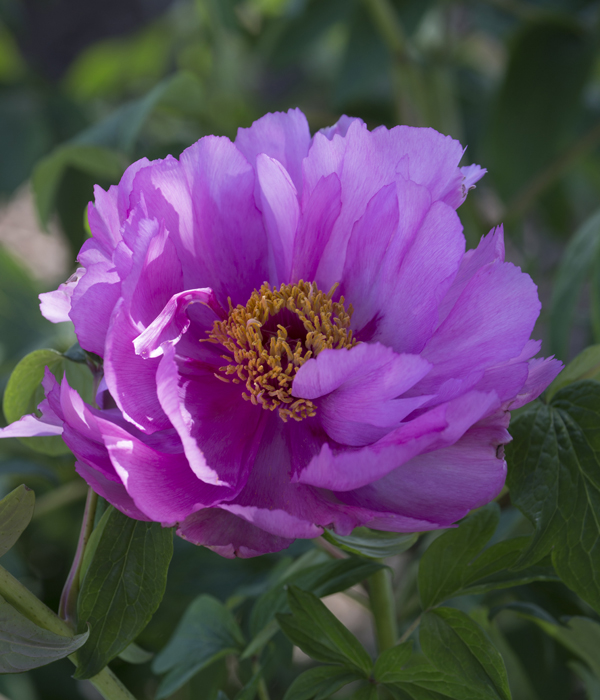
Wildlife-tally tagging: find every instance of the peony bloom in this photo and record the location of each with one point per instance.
(294, 338)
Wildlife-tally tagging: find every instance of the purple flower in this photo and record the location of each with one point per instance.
(294, 338)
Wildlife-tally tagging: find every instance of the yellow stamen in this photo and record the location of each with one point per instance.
(267, 366)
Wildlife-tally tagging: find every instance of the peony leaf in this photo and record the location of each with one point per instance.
(580, 635)
(423, 681)
(457, 646)
(554, 479)
(134, 654)
(390, 662)
(207, 632)
(443, 569)
(572, 273)
(491, 570)
(317, 631)
(321, 579)
(122, 588)
(585, 366)
(372, 543)
(24, 645)
(16, 510)
(319, 683)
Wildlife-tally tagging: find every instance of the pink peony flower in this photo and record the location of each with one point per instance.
(294, 338)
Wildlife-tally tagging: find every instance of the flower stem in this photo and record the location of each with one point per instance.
(21, 598)
(383, 606)
(68, 601)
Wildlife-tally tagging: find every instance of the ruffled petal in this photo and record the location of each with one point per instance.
(490, 324)
(489, 250)
(31, 426)
(284, 136)
(156, 272)
(173, 321)
(56, 305)
(130, 378)
(220, 432)
(346, 469)
(441, 486)
(229, 535)
(279, 205)
(162, 485)
(319, 212)
(114, 492)
(542, 372)
(92, 303)
(360, 389)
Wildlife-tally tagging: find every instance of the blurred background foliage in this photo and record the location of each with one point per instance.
(87, 88)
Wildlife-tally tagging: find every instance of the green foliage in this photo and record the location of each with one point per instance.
(122, 587)
(554, 478)
(207, 632)
(16, 510)
(24, 645)
(320, 683)
(457, 646)
(456, 563)
(572, 273)
(317, 631)
(372, 543)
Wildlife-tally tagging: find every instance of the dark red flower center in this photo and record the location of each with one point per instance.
(271, 337)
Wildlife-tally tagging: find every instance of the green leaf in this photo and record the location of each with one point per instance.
(585, 366)
(365, 691)
(422, 681)
(121, 129)
(372, 543)
(24, 645)
(317, 631)
(570, 278)
(48, 174)
(207, 632)
(458, 646)
(16, 510)
(320, 683)
(134, 654)
(554, 479)
(538, 100)
(443, 569)
(390, 662)
(580, 635)
(321, 579)
(24, 392)
(491, 570)
(122, 588)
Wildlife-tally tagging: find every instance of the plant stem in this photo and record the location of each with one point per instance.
(383, 606)
(262, 690)
(68, 601)
(21, 598)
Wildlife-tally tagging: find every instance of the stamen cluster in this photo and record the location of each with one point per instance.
(272, 337)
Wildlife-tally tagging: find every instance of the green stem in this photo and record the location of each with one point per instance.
(262, 690)
(68, 601)
(383, 606)
(21, 598)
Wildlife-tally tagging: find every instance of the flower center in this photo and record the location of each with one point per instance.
(272, 337)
